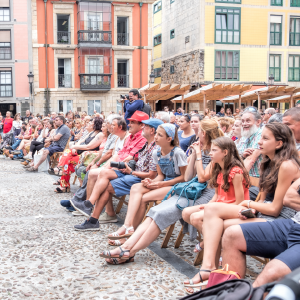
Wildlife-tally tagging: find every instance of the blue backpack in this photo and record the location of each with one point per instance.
(190, 190)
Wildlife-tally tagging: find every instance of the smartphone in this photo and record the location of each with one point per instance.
(248, 213)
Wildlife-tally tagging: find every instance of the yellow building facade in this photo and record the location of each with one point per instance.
(252, 40)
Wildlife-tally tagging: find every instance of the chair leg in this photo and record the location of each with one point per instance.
(199, 258)
(120, 204)
(75, 178)
(179, 238)
(150, 204)
(165, 242)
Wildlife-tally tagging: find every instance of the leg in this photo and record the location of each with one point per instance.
(42, 159)
(91, 181)
(186, 213)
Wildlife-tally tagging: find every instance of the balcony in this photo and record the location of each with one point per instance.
(65, 81)
(103, 37)
(95, 82)
(63, 37)
(123, 39)
(123, 81)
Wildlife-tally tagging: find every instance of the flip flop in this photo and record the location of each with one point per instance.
(194, 291)
(115, 243)
(116, 261)
(191, 284)
(115, 236)
(106, 254)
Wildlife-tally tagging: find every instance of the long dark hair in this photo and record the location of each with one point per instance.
(270, 168)
(98, 124)
(232, 159)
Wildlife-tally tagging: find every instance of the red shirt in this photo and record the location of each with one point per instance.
(8, 122)
(132, 145)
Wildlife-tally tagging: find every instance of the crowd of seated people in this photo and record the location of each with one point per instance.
(145, 158)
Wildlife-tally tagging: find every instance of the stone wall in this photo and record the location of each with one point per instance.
(189, 68)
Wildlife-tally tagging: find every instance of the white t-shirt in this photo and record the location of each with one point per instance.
(120, 144)
(17, 124)
(180, 159)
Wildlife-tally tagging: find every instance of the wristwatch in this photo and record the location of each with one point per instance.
(131, 172)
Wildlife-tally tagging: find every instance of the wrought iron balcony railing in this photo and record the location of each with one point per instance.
(94, 82)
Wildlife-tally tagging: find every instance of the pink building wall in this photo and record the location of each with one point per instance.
(21, 79)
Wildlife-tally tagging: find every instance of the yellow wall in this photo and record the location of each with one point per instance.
(209, 24)
(157, 31)
(157, 18)
(256, 2)
(157, 51)
(157, 64)
(254, 32)
(209, 64)
(157, 80)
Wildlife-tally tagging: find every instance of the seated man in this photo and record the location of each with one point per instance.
(292, 119)
(132, 145)
(59, 142)
(278, 240)
(145, 168)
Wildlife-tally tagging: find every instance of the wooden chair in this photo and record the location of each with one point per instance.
(55, 157)
(121, 202)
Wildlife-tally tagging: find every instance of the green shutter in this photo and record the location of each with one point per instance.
(275, 33)
(295, 32)
(295, 3)
(229, 1)
(294, 67)
(227, 25)
(227, 65)
(157, 40)
(275, 66)
(276, 2)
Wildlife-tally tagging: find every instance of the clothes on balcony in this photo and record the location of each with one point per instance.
(131, 106)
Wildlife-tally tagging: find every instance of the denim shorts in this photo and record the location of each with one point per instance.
(279, 239)
(123, 183)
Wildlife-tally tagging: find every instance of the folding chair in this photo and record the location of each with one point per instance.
(55, 157)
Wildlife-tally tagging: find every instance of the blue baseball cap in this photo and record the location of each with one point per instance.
(153, 122)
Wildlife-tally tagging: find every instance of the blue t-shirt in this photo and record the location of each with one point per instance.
(131, 107)
(184, 142)
(177, 114)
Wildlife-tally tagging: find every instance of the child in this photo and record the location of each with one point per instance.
(229, 178)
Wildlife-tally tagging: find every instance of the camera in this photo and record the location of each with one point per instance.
(121, 165)
(124, 97)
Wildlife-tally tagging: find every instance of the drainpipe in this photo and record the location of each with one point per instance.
(47, 104)
(141, 4)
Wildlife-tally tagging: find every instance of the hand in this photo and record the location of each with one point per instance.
(197, 147)
(202, 206)
(248, 152)
(155, 185)
(244, 203)
(89, 166)
(146, 181)
(126, 160)
(243, 218)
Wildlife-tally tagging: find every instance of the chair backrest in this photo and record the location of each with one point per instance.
(67, 144)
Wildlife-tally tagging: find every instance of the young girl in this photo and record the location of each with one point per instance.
(167, 213)
(171, 164)
(229, 178)
(186, 132)
(195, 122)
(279, 168)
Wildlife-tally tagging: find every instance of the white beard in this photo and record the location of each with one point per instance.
(247, 133)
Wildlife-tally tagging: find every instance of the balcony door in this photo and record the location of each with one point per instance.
(65, 106)
(122, 31)
(64, 73)
(123, 73)
(94, 24)
(95, 66)
(63, 29)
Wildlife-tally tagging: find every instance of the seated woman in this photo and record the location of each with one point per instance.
(279, 168)
(186, 132)
(171, 165)
(167, 213)
(76, 133)
(229, 178)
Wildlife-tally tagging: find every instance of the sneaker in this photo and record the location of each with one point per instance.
(16, 152)
(80, 206)
(29, 157)
(76, 213)
(87, 225)
(105, 218)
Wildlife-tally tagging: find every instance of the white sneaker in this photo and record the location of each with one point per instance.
(76, 213)
(28, 156)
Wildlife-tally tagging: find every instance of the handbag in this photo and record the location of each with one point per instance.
(190, 190)
(219, 276)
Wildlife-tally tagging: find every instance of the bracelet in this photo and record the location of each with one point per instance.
(199, 159)
(249, 203)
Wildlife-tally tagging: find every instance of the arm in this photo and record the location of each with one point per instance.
(237, 182)
(250, 160)
(292, 198)
(190, 170)
(105, 157)
(94, 143)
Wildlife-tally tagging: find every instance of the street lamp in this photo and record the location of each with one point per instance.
(30, 80)
(151, 78)
(271, 79)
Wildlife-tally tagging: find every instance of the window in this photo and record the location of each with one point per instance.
(275, 30)
(65, 105)
(123, 77)
(172, 34)
(276, 2)
(157, 7)
(229, 1)
(295, 31)
(227, 26)
(295, 3)
(274, 68)
(172, 69)
(294, 68)
(94, 105)
(4, 11)
(5, 82)
(63, 29)
(157, 72)
(5, 46)
(157, 40)
(227, 65)
(172, 1)
(122, 31)
(64, 73)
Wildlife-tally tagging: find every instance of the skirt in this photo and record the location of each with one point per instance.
(167, 213)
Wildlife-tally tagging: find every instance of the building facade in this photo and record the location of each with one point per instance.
(230, 41)
(87, 53)
(15, 55)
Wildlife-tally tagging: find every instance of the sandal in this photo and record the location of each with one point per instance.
(106, 254)
(194, 290)
(197, 248)
(51, 171)
(191, 284)
(116, 236)
(59, 190)
(115, 261)
(115, 242)
(57, 182)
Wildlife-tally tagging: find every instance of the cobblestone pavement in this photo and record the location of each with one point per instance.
(42, 257)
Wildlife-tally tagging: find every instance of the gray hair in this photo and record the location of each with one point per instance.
(121, 122)
(164, 116)
(294, 113)
(110, 118)
(271, 111)
(276, 118)
(255, 114)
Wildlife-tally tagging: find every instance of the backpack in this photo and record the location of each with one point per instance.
(146, 109)
(237, 289)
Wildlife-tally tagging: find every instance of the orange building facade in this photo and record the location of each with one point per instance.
(87, 53)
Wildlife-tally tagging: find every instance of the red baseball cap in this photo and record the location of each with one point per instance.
(139, 116)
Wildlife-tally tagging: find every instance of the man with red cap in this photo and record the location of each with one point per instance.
(132, 145)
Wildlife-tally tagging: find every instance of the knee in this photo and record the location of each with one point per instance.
(210, 209)
(93, 175)
(136, 188)
(186, 215)
(195, 219)
(232, 237)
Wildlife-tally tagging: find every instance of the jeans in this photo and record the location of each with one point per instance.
(16, 156)
(16, 144)
(67, 205)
